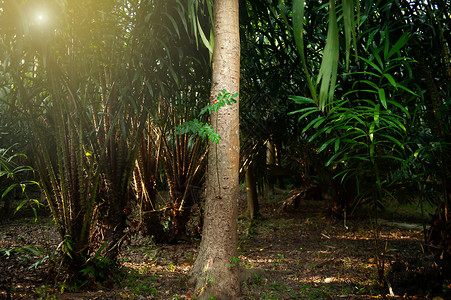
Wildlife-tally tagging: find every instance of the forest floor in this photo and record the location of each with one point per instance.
(300, 254)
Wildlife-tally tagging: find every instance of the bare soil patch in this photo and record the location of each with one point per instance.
(302, 254)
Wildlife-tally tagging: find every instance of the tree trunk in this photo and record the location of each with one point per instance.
(214, 273)
(253, 210)
(270, 162)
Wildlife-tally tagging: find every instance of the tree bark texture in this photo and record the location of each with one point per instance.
(214, 272)
(253, 210)
(270, 163)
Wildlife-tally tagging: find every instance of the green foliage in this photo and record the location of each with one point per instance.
(235, 261)
(34, 250)
(366, 134)
(401, 60)
(268, 290)
(280, 259)
(224, 98)
(195, 12)
(8, 166)
(363, 137)
(14, 175)
(87, 89)
(66, 246)
(327, 76)
(97, 267)
(139, 282)
(12, 171)
(205, 130)
(310, 292)
(365, 130)
(26, 254)
(46, 292)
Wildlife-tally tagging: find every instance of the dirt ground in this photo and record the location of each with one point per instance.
(301, 254)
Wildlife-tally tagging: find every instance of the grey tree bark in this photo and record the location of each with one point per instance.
(214, 272)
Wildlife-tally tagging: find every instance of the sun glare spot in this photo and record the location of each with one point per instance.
(40, 17)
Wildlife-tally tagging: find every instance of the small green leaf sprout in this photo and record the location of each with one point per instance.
(206, 130)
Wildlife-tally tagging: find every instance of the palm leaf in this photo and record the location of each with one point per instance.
(329, 66)
(349, 28)
(298, 30)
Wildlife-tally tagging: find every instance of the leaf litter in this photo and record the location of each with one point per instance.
(299, 254)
